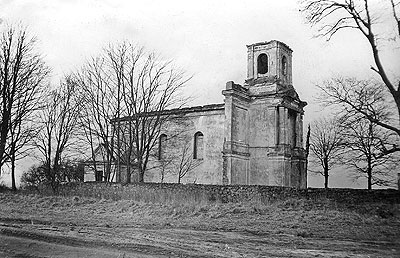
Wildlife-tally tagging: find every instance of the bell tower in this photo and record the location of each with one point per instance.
(264, 122)
(267, 61)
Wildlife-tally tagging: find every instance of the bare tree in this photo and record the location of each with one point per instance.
(363, 141)
(162, 158)
(137, 87)
(101, 99)
(332, 16)
(153, 86)
(165, 163)
(22, 74)
(326, 146)
(184, 162)
(22, 129)
(58, 122)
(349, 95)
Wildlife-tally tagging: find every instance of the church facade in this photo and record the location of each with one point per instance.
(254, 138)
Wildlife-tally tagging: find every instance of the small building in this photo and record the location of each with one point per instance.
(97, 168)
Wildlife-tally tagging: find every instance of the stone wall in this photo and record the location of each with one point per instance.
(196, 193)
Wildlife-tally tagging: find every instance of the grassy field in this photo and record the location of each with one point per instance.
(289, 228)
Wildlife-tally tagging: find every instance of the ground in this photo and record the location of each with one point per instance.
(49, 226)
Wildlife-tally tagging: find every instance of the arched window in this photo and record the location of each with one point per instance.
(162, 144)
(198, 151)
(284, 65)
(262, 64)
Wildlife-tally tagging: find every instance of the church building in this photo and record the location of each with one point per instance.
(254, 138)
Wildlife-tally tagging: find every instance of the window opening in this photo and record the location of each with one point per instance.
(198, 152)
(262, 64)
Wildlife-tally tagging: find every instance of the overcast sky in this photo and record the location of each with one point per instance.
(206, 38)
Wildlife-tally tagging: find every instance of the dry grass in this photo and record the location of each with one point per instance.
(297, 217)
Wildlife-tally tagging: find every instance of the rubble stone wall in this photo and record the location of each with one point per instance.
(183, 193)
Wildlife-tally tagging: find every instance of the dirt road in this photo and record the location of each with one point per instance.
(21, 239)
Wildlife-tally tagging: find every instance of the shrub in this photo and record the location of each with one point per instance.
(39, 175)
(4, 188)
(32, 178)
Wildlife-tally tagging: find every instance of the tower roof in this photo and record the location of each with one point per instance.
(269, 43)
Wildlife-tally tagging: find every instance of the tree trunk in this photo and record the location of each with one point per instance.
(3, 137)
(128, 173)
(48, 161)
(162, 175)
(326, 180)
(4, 126)
(397, 100)
(118, 174)
(107, 162)
(105, 167)
(369, 174)
(13, 185)
(93, 150)
(326, 173)
(108, 170)
(140, 171)
(55, 172)
(369, 182)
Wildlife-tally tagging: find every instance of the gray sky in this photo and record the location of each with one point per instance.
(206, 38)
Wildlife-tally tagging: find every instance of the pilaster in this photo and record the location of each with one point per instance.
(236, 147)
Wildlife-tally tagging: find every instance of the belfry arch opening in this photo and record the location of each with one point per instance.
(284, 66)
(262, 64)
